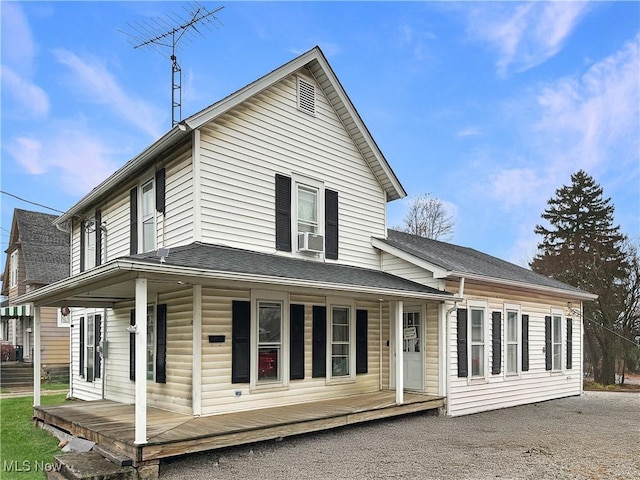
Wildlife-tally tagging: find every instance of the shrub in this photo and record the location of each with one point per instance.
(7, 352)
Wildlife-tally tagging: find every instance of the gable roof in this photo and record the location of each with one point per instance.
(45, 249)
(455, 261)
(319, 67)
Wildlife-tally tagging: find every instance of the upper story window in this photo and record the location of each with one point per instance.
(146, 201)
(148, 217)
(306, 217)
(89, 233)
(14, 268)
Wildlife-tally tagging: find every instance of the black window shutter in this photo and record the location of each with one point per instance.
(463, 367)
(133, 221)
(496, 342)
(296, 342)
(240, 344)
(132, 348)
(82, 245)
(161, 343)
(98, 219)
(362, 348)
(525, 343)
(97, 364)
(331, 224)
(81, 363)
(548, 353)
(569, 343)
(319, 341)
(283, 213)
(160, 190)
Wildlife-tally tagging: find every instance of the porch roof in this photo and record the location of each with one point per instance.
(214, 265)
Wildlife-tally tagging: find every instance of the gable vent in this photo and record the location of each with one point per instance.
(306, 96)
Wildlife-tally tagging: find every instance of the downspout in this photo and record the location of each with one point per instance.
(448, 340)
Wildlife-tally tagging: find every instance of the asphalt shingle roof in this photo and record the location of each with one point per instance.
(45, 249)
(229, 259)
(463, 260)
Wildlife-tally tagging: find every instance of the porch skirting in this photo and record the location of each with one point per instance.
(112, 424)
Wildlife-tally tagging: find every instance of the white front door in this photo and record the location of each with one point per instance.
(413, 350)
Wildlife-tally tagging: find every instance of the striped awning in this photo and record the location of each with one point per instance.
(16, 311)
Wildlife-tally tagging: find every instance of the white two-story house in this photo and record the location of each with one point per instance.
(243, 262)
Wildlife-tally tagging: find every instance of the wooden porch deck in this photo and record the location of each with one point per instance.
(170, 434)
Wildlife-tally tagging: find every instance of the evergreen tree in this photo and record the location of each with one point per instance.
(583, 248)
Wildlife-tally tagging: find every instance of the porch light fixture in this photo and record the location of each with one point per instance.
(162, 253)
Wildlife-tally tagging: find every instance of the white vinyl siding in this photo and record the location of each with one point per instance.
(402, 268)
(243, 150)
(500, 391)
(220, 395)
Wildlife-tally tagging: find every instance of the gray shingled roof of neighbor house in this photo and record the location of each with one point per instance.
(45, 249)
(229, 259)
(463, 260)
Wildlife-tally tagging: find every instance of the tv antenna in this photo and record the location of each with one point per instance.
(164, 35)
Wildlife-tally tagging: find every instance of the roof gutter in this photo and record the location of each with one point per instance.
(114, 267)
(125, 173)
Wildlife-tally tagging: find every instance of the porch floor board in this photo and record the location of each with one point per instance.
(169, 434)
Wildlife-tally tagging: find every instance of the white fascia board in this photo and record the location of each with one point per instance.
(526, 285)
(124, 174)
(438, 272)
(174, 270)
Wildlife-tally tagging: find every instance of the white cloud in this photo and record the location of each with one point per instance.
(66, 154)
(32, 99)
(93, 79)
(525, 35)
(20, 51)
(469, 132)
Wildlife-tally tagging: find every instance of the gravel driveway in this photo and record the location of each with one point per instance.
(593, 436)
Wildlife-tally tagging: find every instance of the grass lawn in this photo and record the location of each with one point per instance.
(25, 449)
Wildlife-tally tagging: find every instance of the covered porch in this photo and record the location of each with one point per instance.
(112, 425)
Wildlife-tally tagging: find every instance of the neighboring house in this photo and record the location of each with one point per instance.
(38, 255)
(242, 261)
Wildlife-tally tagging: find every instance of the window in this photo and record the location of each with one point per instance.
(148, 217)
(90, 348)
(4, 333)
(14, 268)
(340, 344)
(557, 341)
(89, 234)
(512, 336)
(269, 342)
(151, 342)
(477, 343)
(64, 320)
(307, 209)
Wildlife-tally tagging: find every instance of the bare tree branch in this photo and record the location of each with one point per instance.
(428, 217)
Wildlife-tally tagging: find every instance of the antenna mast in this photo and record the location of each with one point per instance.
(163, 36)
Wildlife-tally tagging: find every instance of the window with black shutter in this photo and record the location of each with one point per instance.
(296, 342)
(463, 368)
(160, 190)
(331, 224)
(319, 342)
(240, 341)
(98, 339)
(133, 221)
(161, 343)
(82, 245)
(569, 343)
(362, 349)
(82, 345)
(98, 233)
(548, 352)
(283, 213)
(525, 343)
(496, 342)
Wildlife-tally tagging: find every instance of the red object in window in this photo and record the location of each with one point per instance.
(268, 364)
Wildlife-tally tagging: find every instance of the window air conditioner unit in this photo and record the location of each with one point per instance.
(310, 242)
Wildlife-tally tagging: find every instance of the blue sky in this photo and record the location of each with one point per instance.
(488, 106)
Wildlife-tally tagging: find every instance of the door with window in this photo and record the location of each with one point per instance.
(413, 350)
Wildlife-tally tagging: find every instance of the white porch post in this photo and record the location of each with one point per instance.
(36, 356)
(196, 374)
(398, 310)
(141, 362)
